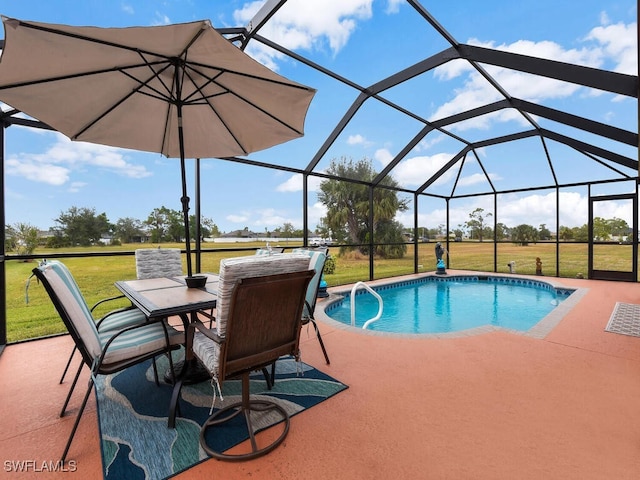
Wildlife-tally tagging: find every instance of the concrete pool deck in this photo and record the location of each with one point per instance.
(492, 405)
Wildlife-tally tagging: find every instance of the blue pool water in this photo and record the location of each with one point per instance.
(439, 305)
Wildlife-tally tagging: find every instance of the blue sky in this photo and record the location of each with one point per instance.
(364, 41)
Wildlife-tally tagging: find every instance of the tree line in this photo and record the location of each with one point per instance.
(82, 226)
(349, 221)
(604, 230)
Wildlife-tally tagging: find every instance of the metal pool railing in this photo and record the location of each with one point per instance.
(353, 304)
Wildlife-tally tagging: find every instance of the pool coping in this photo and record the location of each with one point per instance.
(540, 330)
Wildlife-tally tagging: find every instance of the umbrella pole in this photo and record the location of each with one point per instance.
(185, 212)
(183, 170)
(185, 199)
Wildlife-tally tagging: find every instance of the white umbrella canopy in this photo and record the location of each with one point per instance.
(180, 90)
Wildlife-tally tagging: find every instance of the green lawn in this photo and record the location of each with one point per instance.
(96, 275)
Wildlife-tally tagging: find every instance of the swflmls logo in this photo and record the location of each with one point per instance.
(21, 466)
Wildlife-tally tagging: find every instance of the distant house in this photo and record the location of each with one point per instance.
(240, 234)
(106, 239)
(44, 234)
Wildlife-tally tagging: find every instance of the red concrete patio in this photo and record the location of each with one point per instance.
(490, 406)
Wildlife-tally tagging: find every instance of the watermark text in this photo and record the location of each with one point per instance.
(52, 466)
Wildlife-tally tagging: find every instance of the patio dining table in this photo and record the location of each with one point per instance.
(169, 296)
(165, 297)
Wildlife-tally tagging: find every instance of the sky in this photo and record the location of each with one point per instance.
(364, 41)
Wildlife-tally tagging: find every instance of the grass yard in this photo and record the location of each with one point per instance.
(96, 275)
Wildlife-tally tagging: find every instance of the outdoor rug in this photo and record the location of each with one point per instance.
(625, 319)
(132, 413)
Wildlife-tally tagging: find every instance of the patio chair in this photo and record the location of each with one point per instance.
(158, 262)
(269, 250)
(260, 303)
(150, 263)
(103, 352)
(317, 259)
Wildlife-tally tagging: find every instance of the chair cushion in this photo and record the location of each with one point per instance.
(120, 319)
(158, 262)
(208, 352)
(139, 341)
(68, 295)
(236, 268)
(316, 262)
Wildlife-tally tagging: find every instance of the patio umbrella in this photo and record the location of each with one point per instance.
(180, 90)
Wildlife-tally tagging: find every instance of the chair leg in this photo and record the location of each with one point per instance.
(73, 386)
(268, 377)
(245, 407)
(174, 405)
(68, 364)
(155, 371)
(77, 421)
(324, 350)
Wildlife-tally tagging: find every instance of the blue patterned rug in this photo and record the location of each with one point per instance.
(132, 415)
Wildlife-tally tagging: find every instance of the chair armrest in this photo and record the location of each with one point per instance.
(206, 314)
(118, 310)
(104, 300)
(206, 331)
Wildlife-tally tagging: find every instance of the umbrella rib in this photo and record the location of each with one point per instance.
(131, 93)
(222, 70)
(228, 91)
(75, 75)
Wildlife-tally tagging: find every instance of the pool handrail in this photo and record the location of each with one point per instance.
(353, 305)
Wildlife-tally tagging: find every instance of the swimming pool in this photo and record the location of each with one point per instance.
(452, 304)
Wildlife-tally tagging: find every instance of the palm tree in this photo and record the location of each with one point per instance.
(348, 202)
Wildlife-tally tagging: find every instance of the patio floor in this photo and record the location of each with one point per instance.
(490, 406)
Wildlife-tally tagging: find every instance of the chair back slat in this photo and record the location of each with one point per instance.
(158, 262)
(71, 306)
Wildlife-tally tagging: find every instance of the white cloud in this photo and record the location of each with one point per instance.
(161, 19)
(294, 184)
(270, 218)
(76, 186)
(128, 8)
(417, 170)
(393, 6)
(297, 27)
(37, 171)
(604, 18)
(475, 179)
(261, 219)
(237, 218)
(315, 213)
(383, 156)
(429, 141)
(356, 140)
(513, 210)
(57, 164)
(619, 43)
(604, 44)
(538, 209)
